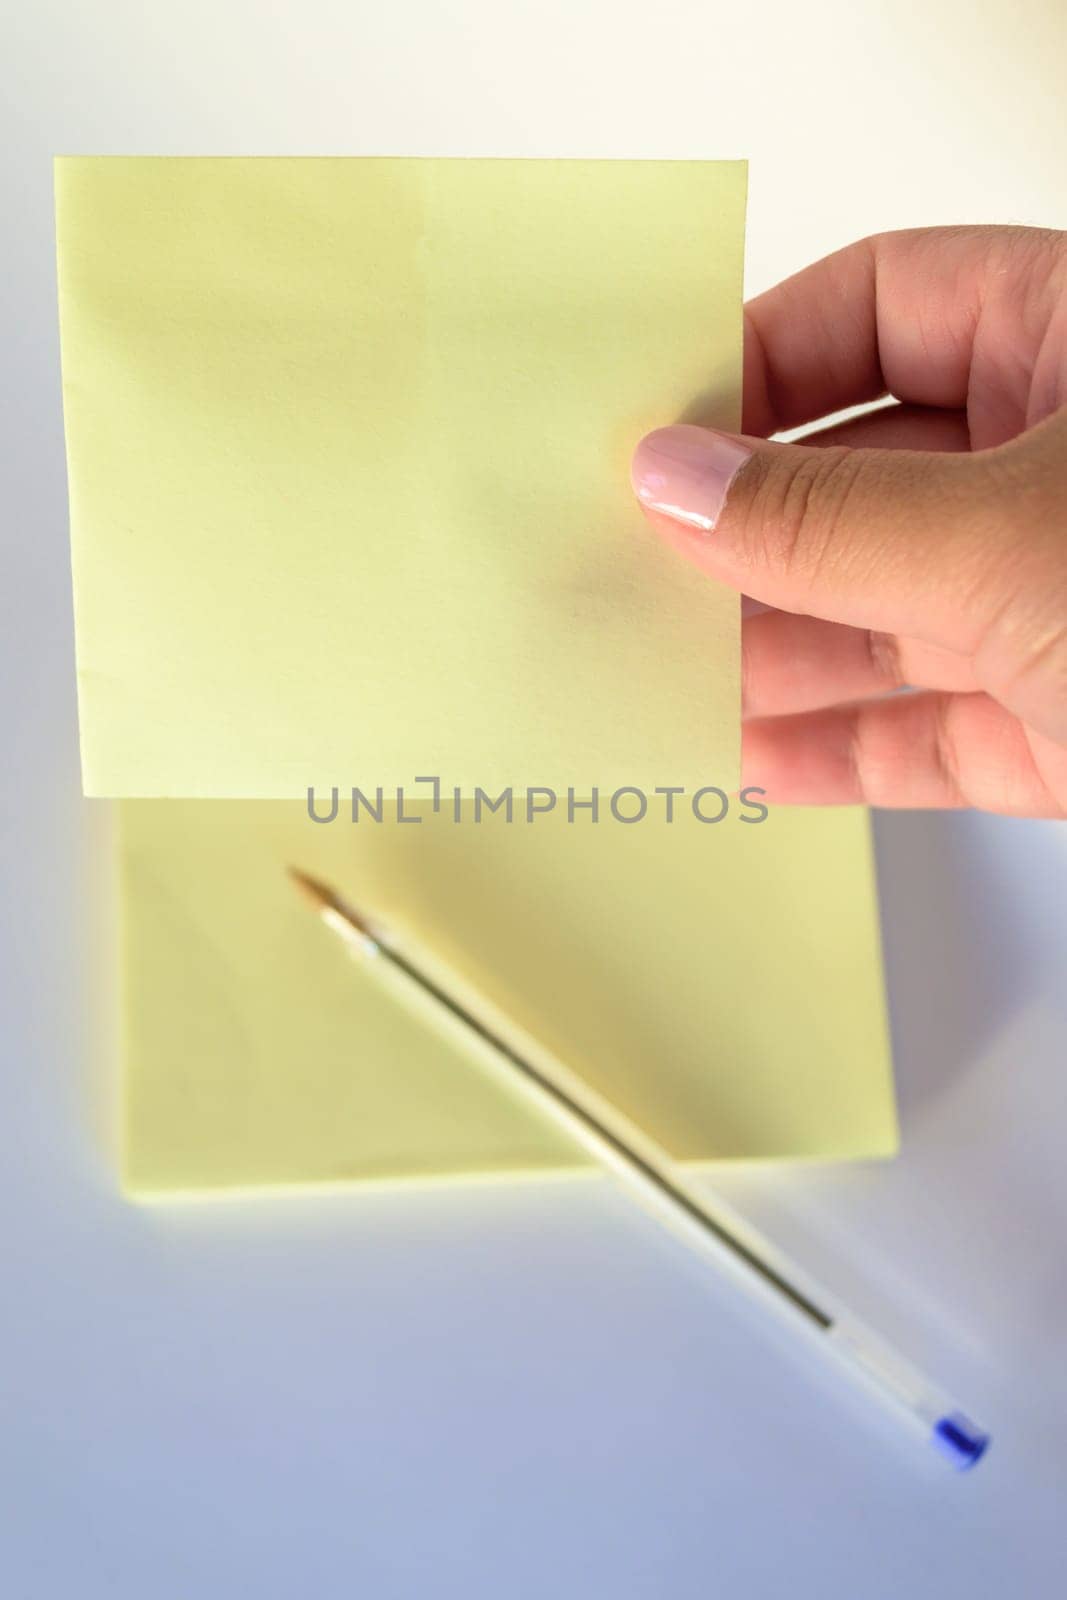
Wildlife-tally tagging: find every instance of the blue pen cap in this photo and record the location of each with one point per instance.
(957, 1437)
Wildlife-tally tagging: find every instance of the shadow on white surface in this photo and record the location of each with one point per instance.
(969, 928)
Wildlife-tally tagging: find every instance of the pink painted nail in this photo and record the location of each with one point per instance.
(685, 473)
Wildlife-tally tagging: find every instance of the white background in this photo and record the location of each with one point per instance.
(530, 1394)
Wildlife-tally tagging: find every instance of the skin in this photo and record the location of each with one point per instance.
(924, 544)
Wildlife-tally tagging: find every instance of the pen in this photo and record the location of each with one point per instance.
(664, 1190)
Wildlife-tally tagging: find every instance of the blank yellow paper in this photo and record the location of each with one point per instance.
(721, 983)
(348, 445)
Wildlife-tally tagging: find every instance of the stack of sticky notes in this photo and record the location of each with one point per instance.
(361, 588)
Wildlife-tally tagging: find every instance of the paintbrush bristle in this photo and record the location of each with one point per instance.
(322, 898)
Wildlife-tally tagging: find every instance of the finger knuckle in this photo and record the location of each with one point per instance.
(1020, 654)
(883, 650)
(945, 749)
(1028, 671)
(795, 515)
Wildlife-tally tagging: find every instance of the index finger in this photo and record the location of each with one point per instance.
(897, 313)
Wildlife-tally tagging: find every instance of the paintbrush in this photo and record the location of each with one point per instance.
(661, 1186)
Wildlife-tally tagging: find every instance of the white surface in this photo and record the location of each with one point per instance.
(414, 1396)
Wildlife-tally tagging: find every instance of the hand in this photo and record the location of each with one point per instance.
(922, 544)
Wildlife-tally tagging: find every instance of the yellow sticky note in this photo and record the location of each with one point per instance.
(720, 983)
(348, 445)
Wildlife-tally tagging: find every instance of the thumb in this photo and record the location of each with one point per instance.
(902, 541)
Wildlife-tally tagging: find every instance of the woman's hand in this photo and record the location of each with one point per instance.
(924, 544)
